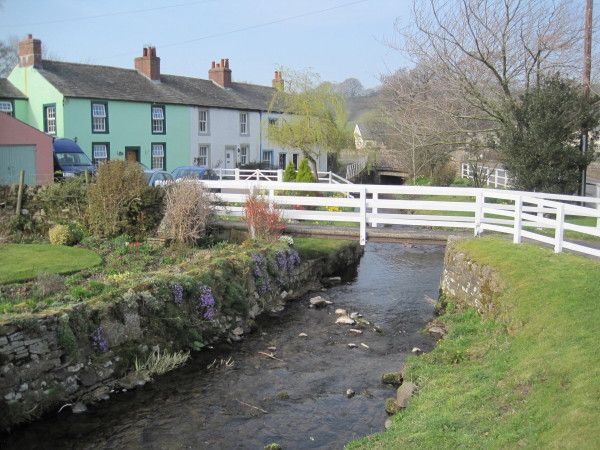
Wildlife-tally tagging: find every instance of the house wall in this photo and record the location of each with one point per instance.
(130, 125)
(14, 135)
(29, 81)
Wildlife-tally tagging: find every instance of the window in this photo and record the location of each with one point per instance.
(267, 157)
(100, 153)
(203, 153)
(99, 116)
(272, 121)
(6, 107)
(158, 156)
(243, 155)
(244, 123)
(158, 120)
(203, 121)
(50, 119)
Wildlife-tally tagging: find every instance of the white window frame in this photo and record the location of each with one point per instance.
(158, 119)
(158, 155)
(244, 152)
(6, 107)
(51, 119)
(203, 160)
(268, 153)
(100, 153)
(244, 129)
(98, 117)
(203, 122)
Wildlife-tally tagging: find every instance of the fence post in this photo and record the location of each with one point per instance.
(478, 212)
(20, 192)
(560, 227)
(518, 220)
(280, 175)
(363, 216)
(375, 210)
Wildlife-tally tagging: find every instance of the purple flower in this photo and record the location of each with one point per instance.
(99, 340)
(207, 302)
(177, 294)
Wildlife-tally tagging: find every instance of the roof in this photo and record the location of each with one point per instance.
(7, 90)
(114, 83)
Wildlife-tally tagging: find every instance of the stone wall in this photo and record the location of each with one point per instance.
(467, 281)
(83, 353)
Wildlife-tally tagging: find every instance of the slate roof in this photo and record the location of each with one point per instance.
(7, 90)
(114, 83)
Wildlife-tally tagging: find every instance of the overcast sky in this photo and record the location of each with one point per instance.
(337, 39)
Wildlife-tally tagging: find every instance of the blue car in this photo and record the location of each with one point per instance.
(156, 177)
(199, 172)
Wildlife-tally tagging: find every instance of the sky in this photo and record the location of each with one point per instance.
(338, 39)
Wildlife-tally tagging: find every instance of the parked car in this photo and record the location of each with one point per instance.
(200, 172)
(156, 177)
(69, 159)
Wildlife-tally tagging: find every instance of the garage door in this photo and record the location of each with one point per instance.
(13, 159)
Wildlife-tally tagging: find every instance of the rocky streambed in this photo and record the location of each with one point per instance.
(308, 377)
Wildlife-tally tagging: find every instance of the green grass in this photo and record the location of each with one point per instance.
(528, 377)
(22, 262)
(310, 248)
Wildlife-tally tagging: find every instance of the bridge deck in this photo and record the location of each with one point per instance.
(380, 234)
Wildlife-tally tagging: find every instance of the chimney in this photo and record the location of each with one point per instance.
(278, 82)
(220, 73)
(148, 64)
(30, 52)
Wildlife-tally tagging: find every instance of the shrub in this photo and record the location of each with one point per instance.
(263, 217)
(188, 210)
(115, 197)
(444, 175)
(49, 284)
(64, 201)
(290, 173)
(58, 234)
(304, 174)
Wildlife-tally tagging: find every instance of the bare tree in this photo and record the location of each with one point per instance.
(488, 52)
(9, 55)
(350, 87)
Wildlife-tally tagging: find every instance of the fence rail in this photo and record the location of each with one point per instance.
(521, 214)
(272, 175)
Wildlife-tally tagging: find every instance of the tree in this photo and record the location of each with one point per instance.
(539, 143)
(488, 52)
(350, 87)
(314, 117)
(9, 55)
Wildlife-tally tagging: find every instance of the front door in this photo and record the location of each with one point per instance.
(282, 160)
(132, 154)
(230, 157)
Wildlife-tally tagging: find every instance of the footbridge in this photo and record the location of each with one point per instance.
(414, 213)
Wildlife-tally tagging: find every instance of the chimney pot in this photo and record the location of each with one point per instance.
(221, 73)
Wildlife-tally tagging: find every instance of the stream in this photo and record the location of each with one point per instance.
(298, 398)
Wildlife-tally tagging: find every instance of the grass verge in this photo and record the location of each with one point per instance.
(527, 377)
(22, 262)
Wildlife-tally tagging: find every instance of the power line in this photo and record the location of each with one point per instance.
(248, 28)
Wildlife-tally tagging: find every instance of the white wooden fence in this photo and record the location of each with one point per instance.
(272, 175)
(522, 214)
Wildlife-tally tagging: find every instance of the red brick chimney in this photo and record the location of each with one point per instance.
(221, 73)
(148, 64)
(30, 52)
(278, 82)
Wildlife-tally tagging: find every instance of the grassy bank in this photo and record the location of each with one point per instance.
(528, 377)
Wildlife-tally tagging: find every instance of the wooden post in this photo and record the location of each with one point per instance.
(87, 176)
(20, 192)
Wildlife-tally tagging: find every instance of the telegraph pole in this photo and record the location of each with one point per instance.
(587, 68)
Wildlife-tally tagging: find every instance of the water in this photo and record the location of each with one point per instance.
(297, 400)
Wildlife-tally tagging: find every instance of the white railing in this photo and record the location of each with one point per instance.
(496, 177)
(522, 214)
(354, 169)
(272, 175)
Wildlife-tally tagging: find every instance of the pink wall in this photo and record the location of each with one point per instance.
(15, 132)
